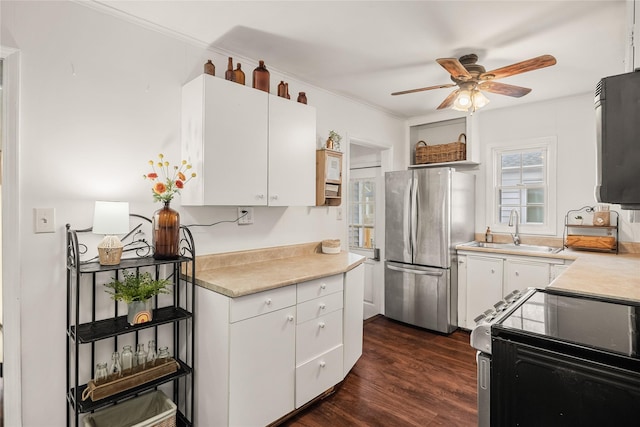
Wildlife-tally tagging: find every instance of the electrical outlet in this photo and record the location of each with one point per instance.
(44, 220)
(245, 216)
(339, 214)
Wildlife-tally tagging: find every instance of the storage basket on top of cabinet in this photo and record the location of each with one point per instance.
(442, 153)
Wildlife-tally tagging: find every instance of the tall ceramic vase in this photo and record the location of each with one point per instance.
(166, 233)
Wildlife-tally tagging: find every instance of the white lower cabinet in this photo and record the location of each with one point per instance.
(521, 274)
(484, 279)
(260, 356)
(270, 337)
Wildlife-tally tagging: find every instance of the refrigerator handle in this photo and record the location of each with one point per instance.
(413, 212)
(419, 272)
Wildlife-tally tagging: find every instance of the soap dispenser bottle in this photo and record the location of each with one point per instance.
(488, 237)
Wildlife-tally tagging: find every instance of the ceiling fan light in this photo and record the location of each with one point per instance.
(463, 101)
(479, 100)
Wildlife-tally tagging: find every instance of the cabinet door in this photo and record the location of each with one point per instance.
(292, 142)
(262, 368)
(353, 316)
(484, 284)
(520, 274)
(224, 137)
(462, 294)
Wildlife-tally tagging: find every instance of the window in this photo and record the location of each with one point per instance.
(524, 181)
(362, 210)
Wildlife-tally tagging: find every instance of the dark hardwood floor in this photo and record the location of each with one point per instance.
(406, 377)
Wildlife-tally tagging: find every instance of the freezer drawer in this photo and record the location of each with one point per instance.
(420, 296)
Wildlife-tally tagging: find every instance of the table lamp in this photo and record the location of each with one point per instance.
(110, 218)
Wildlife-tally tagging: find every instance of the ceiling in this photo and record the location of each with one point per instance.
(367, 49)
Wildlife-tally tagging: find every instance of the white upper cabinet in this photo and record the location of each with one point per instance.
(292, 156)
(249, 148)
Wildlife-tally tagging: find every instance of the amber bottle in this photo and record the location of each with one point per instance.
(302, 97)
(230, 74)
(239, 75)
(286, 91)
(209, 68)
(261, 77)
(282, 90)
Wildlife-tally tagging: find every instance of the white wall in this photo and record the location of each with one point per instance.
(100, 97)
(572, 121)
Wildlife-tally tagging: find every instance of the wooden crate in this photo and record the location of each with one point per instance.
(126, 382)
(591, 242)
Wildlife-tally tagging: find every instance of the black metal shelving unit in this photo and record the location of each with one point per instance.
(85, 280)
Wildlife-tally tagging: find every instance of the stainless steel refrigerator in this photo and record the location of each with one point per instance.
(428, 212)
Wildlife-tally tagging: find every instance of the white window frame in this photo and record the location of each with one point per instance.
(549, 226)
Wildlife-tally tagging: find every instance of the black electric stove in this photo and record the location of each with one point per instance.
(565, 359)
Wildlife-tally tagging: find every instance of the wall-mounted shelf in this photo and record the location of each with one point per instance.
(583, 235)
(328, 178)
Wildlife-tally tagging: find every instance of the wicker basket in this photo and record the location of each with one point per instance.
(148, 410)
(442, 153)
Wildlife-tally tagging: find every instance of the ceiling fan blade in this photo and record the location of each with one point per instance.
(455, 68)
(423, 89)
(520, 67)
(504, 89)
(448, 101)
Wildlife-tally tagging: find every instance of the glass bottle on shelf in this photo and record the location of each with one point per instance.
(239, 74)
(209, 68)
(101, 373)
(140, 358)
(151, 355)
(163, 355)
(286, 91)
(115, 369)
(230, 74)
(261, 77)
(302, 97)
(282, 89)
(126, 361)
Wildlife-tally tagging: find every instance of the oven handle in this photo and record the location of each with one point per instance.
(420, 272)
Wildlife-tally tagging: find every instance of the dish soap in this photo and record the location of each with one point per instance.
(488, 237)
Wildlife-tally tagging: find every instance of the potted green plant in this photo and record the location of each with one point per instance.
(333, 142)
(137, 290)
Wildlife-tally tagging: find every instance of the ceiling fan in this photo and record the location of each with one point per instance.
(472, 78)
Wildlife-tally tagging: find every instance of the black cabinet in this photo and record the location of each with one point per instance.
(97, 326)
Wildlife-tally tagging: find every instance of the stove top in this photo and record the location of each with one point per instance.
(607, 325)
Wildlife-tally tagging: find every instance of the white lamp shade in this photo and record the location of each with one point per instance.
(111, 218)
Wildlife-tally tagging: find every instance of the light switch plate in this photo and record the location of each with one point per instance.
(44, 220)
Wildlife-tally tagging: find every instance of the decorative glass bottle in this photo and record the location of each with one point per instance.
(230, 74)
(151, 355)
(261, 77)
(101, 373)
(282, 89)
(127, 359)
(209, 68)
(166, 232)
(140, 358)
(239, 74)
(286, 91)
(163, 355)
(115, 369)
(302, 97)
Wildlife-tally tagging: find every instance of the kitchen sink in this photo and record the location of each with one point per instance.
(512, 247)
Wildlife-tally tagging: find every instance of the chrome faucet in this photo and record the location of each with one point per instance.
(516, 235)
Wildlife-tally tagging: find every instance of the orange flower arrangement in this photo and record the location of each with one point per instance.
(165, 187)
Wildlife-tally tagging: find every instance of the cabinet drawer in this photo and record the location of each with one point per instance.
(320, 306)
(261, 303)
(319, 287)
(318, 375)
(316, 336)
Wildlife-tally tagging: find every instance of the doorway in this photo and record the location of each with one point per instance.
(365, 210)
